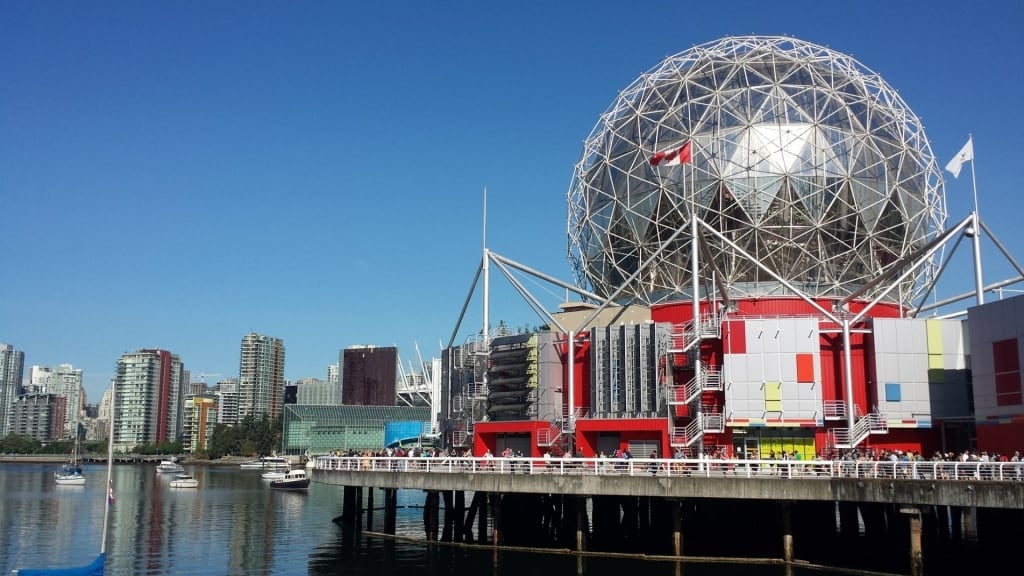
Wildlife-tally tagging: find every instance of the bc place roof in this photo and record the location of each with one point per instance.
(799, 158)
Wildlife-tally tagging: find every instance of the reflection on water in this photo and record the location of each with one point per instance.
(372, 556)
(234, 524)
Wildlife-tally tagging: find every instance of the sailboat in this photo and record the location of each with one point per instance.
(71, 473)
(97, 566)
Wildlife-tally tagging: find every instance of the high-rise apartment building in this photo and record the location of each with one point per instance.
(316, 391)
(39, 380)
(227, 401)
(12, 369)
(334, 378)
(200, 419)
(260, 376)
(149, 399)
(66, 381)
(368, 375)
(38, 416)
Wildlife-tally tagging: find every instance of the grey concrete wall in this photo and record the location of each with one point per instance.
(987, 494)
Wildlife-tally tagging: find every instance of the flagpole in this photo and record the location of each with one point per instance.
(695, 287)
(979, 284)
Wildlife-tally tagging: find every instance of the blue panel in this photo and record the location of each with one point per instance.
(892, 392)
(402, 432)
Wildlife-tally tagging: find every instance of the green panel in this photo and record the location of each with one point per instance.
(322, 429)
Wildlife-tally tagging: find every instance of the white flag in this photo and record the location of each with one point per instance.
(966, 154)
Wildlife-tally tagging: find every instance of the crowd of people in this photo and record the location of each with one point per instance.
(860, 462)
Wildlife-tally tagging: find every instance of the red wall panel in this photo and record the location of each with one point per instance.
(805, 368)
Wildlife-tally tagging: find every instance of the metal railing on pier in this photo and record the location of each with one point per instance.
(804, 469)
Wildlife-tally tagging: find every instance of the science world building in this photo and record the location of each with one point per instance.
(753, 226)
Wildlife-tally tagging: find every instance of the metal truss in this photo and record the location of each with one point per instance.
(804, 159)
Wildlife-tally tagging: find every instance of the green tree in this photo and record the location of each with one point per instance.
(248, 448)
(14, 444)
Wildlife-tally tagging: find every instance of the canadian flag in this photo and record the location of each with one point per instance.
(672, 157)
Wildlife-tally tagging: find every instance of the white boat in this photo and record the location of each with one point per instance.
(275, 473)
(70, 474)
(264, 463)
(293, 480)
(184, 481)
(169, 467)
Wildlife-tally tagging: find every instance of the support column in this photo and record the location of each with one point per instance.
(460, 514)
(359, 508)
(447, 533)
(956, 519)
(787, 533)
(496, 512)
(677, 529)
(390, 510)
(481, 527)
(916, 557)
(369, 508)
(581, 523)
(348, 508)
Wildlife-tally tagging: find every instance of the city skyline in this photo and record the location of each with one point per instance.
(317, 174)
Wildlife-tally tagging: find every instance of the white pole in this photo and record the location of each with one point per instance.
(487, 280)
(851, 406)
(979, 283)
(695, 286)
(110, 467)
(571, 352)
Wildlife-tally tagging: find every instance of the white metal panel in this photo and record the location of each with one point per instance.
(772, 369)
(755, 336)
(807, 336)
(752, 367)
(771, 336)
(787, 335)
(889, 368)
(788, 361)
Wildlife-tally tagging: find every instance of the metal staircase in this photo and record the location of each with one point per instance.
(710, 378)
(873, 423)
(685, 335)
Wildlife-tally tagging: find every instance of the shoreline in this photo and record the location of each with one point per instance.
(139, 459)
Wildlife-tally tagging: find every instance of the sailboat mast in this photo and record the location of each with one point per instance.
(110, 469)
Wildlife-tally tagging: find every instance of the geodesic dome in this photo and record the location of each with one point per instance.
(800, 158)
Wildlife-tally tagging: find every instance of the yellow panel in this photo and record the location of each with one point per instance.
(773, 405)
(772, 391)
(934, 329)
(935, 362)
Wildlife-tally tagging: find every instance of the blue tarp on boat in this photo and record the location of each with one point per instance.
(95, 568)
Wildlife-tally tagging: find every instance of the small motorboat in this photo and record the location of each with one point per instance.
(293, 480)
(184, 481)
(264, 463)
(275, 473)
(169, 467)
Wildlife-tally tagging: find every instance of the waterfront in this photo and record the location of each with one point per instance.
(233, 524)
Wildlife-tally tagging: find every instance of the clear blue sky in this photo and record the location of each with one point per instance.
(177, 174)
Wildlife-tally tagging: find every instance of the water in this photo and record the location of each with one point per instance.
(233, 524)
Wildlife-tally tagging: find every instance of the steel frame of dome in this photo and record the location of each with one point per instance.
(804, 159)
